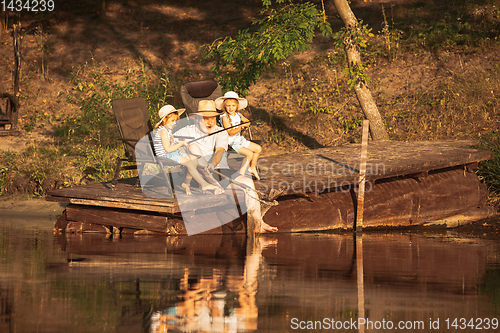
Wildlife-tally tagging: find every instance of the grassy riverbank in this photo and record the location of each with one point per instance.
(438, 80)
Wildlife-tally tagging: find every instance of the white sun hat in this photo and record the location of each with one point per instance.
(165, 111)
(242, 102)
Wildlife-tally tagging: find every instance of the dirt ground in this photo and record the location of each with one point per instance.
(27, 207)
(168, 35)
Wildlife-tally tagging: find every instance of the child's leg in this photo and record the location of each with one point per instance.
(256, 149)
(246, 161)
(191, 162)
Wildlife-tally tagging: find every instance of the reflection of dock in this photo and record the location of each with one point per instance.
(409, 183)
(394, 260)
(305, 276)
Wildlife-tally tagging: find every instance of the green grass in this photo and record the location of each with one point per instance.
(489, 171)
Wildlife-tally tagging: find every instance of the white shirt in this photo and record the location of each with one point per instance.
(208, 144)
(233, 120)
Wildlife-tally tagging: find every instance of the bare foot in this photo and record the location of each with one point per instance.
(186, 188)
(209, 187)
(254, 173)
(264, 227)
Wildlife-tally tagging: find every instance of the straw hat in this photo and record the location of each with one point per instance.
(242, 102)
(165, 111)
(207, 108)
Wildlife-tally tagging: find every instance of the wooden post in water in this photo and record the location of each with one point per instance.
(362, 175)
(360, 279)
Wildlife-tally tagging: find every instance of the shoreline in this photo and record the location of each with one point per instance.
(23, 211)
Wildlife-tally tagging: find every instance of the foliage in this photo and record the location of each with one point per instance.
(3, 178)
(240, 61)
(354, 37)
(490, 170)
(357, 35)
(92, 135)
(356, 73)
(392, 37)
(463, 25)
(93, 91)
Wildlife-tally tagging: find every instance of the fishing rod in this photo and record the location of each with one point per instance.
(205, 136)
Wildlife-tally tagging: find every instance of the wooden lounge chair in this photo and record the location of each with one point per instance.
(134, 123)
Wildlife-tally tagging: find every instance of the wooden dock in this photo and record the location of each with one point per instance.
(386, 159)
(408, 183)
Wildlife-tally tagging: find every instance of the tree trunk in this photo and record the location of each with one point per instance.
(101, 9)
(364, 95)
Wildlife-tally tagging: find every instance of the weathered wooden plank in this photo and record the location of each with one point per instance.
(130, 197)
(120, 218)
(142, 220)
(144, 206)
(101, 191)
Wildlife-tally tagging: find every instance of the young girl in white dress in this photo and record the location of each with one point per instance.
(231, 103)
(166, 146)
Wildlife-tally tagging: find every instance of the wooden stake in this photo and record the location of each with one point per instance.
(17, 59)
(362, 175)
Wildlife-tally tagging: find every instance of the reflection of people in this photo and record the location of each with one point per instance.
(204, 303)
(232, 104)
(205, 123)
(166, 146)
(247, 292)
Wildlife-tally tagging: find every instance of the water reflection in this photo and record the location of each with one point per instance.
(216, 303)
(88, 283)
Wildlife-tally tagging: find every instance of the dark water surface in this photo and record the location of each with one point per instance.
(422, 282)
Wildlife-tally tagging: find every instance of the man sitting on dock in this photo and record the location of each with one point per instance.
(211, 144)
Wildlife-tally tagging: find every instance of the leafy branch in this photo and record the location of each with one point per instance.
(356, 73)
(354, 37)
(240, 61)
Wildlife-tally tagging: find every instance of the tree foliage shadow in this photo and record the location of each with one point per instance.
(136, 29)
(159, 28)
(276, 122)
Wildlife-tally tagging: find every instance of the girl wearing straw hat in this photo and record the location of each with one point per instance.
(166, 146)
(231, 103)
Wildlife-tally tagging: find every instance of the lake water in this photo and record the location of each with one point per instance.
(422, 282)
